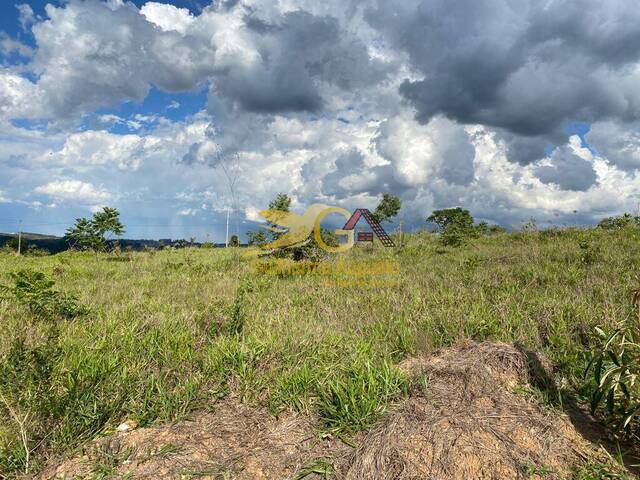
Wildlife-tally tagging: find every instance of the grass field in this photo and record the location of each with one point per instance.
(169, 332)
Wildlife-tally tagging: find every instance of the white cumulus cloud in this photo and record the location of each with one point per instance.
(74, 190)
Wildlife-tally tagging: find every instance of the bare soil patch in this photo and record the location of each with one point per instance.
(470, 415)
(235, 441)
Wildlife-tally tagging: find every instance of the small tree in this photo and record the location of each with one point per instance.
(454, 224)
(12, 244)
(90, 234)
(256, 238)
(282, 203)
(451, 216)
(483, 228)
(234, 241)
(388, 208)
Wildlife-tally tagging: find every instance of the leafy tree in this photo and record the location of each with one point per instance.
(108, 220)
(282, 203)
(455, 225)
(388, 208)
(234, 241)
(83, 235)
(451, 216)
(90, 234)
(256, 238)
(180, 243)
(483, 228)
(12, 244)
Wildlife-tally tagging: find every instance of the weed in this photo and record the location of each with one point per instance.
(35, 291)
(599, 471)
(164, 452)
(320, 466)
(615, 368)
(26, 397)
(236, 319)
(106, 459)
(589, 253)
(356, 397)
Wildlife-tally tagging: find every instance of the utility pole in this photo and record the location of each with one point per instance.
(19, 236)
(226, 238)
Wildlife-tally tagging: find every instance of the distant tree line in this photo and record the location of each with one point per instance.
(617, 223)
(455, 226)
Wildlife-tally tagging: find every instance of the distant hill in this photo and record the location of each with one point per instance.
(58, 244)
(49, 242)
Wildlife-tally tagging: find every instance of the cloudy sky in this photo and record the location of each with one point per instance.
(511, 108)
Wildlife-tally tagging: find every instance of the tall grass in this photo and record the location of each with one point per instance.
(172, 331)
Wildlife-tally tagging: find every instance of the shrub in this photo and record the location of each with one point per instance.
(617, 223)
(257, 238)
(615, 368)
(34, 251)
(35, 291)
(589, 253)
(483, 228)
(26, 395)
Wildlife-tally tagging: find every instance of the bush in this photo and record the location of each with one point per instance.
(35, 291)
(589, 253)
(483, 228)
(257, 238)
(234, 241)
(34, 251)
(617, 223)
(26, 394)
(455, 235)
(615, 368)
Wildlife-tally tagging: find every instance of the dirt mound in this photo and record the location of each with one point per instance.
(471, 417)
(234, 441)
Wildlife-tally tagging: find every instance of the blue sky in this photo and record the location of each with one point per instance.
(505, 108)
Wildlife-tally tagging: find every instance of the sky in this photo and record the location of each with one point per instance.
(513, 109)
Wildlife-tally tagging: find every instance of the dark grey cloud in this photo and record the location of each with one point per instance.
(298, 52)
(568, 171)
(529, 149)
(348, 163)
(620, 145)
(523, 66)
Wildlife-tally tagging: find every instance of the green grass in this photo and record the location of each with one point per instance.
(170, 332)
